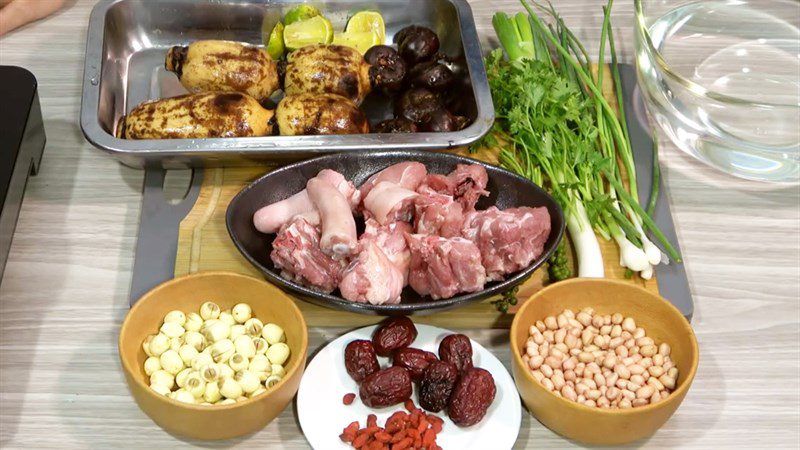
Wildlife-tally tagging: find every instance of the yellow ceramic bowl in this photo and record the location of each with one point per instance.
(186, 294)
(662, 321)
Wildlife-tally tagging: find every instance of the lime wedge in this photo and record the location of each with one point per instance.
(274, 42)
(316, 30)
(359, 40)
(367, 21)
(299, 13)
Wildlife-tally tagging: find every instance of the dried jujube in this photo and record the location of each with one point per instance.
(457, 349)
(393, 334)
(437, 385)
(472, 395)
(414, 360)
(386, 387)
(360, 359)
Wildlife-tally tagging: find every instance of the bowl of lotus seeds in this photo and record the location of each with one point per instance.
(213, 355)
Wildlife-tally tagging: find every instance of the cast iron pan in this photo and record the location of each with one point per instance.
(507, 191)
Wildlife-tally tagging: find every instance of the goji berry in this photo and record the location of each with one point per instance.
(348, 398)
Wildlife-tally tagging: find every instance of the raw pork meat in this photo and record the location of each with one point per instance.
(466, 183)
(407, 174)
(391, 239)
(296, 252)
(388, 202)
(443, 267)
(470, 182)
(271, 218)
(371, 277)
(336, 217)
(509, 240)
(437, 214)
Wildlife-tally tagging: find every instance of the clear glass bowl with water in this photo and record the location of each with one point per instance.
(722, 79)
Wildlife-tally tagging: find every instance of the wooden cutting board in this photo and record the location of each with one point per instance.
(204, 244)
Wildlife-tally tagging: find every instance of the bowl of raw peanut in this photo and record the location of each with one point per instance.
(602, 361)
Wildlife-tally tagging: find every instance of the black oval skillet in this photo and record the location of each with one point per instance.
(507, 190)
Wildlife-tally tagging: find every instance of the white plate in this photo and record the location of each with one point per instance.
(323, 416)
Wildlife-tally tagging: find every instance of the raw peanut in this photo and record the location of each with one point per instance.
(639, 402)
(538, 375)
(668, 364)
(538, 339)
(558, 382)
(611, 379)
(599, 379)
(644, 341)
(621, 351)
(590, 383)
(560, 335)
(646, 362)
(629, 325)
(655, 398)
(639, 332)
(587, 336)
(664, 349)
(535, 362)
(570, 363)
(556, 353)
(552, 361)
(576, 326)
(667, 381)
(658, 359)
(594, 367)
(540, 326)
(569, 375)
(562, 347)
(636, 358)
(646, 375)
(571, 341)
(648, 350)
(628, 394)
(609, 362)
(551, 323)
(603, 402)
(622, 384)
(625, 404)
(616, 331)
(607, 319)
(623, 371)
(547, 371)
(532, 330)
(569, 392)
(590, 403)
(656, 371)
(569, 314)
(616, 318)
(584, 318)
(549, 336)
(633, 387)
(653, 381)
(598, 341)
(561, 321)
(636, 369)
(591, 348)
(605, 330)
(581, 388)
(673, 372)
(585, 357)
(575, 351)
(612, 393)
(593, 394)
(526, 359)
(630, 343)
(548, 384)
(597, 322)
(580, 399)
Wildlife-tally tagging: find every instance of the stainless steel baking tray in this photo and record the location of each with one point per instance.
(128, 39)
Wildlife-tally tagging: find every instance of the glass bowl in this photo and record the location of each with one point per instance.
(722, 79)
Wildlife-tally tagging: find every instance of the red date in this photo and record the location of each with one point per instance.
(360, 359)
(413, 359)
(472, 395)
(437, 385)
(393, 334)
(386, 387)
(457, 349)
